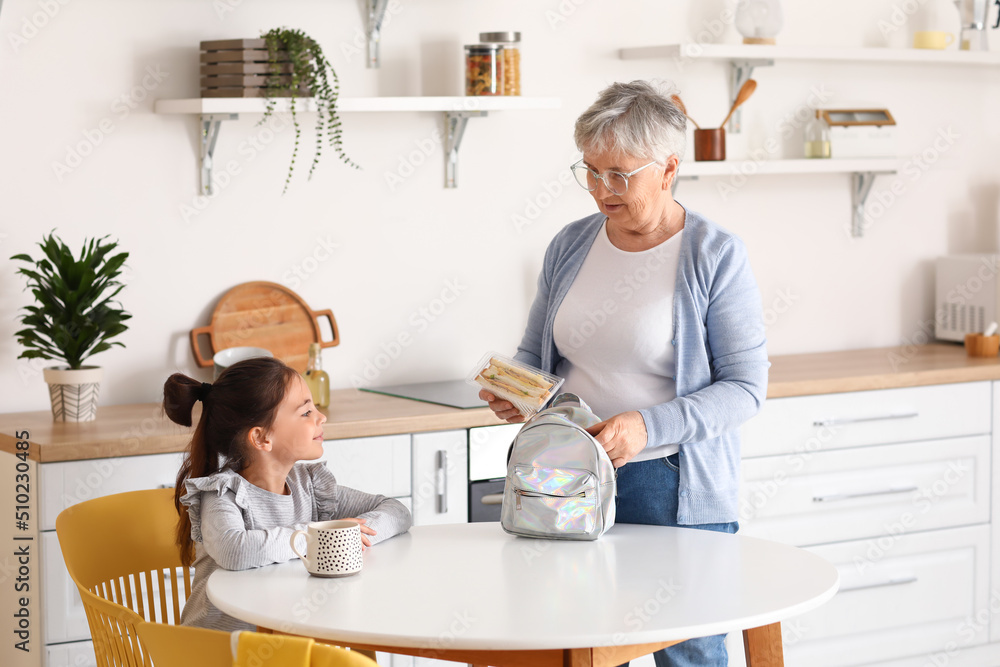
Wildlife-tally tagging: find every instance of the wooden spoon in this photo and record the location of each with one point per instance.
(676, 99)
(746, 90)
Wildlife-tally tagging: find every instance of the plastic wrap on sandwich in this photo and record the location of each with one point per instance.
(527, 388)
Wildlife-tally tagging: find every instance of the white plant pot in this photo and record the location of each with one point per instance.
(74, 393)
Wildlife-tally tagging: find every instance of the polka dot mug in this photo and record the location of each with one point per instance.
(333, 548)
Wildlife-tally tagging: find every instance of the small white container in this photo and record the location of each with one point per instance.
(861, 133)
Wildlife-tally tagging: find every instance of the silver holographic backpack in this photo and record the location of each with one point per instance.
(560, 482)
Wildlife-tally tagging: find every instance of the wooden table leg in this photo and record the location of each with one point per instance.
(763, 646)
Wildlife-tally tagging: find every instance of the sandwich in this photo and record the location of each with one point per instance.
(516, 384)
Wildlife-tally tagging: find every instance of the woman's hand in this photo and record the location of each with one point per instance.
(365, 530)
(623, 436)
(504, 410)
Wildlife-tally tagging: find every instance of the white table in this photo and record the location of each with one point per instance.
(472, 593)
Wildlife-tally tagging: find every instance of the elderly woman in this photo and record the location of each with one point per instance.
(653, 316)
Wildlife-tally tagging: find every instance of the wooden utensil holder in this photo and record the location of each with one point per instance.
(978, 345)
(710, 145)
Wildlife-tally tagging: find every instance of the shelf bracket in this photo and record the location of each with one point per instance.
(739, 72)
(861, 187)
(455, 122)
(376, 14)
(210, 125)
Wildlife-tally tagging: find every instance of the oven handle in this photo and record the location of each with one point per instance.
(492, 499)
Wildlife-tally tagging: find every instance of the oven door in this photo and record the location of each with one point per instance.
(485, 499)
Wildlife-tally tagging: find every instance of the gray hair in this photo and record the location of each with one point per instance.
(637, 119)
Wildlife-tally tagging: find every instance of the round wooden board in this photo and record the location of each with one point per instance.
(267, 315)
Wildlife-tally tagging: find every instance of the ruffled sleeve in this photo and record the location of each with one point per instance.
(387, 516)
(217, 484)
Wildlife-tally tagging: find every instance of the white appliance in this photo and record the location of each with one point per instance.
(966, 296)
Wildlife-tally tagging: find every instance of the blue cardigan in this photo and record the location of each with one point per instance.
(719, 348)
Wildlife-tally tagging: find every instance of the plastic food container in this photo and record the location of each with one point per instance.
(526, 387)
(483, 69)
(511, 56)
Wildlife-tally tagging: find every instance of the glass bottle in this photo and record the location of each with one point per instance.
(817, 137)
(759, 21)
(316, 378)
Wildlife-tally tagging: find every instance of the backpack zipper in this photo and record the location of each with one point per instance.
(539, 494)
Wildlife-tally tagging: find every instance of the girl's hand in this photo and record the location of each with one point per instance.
(504, 410)
(623, 436)
(365, 530)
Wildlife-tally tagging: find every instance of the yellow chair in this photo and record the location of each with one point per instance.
(120, 552)
(180, 646)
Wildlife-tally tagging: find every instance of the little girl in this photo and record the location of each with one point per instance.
(242, 489)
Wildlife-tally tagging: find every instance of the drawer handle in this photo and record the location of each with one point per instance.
(492, 499)
(441, 481)
(862, 494)
(898, 581)
(838, 421)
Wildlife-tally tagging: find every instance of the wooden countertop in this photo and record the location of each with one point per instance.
(125, 430)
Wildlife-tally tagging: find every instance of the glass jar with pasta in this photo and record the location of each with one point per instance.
(483, 69)
(511, 43)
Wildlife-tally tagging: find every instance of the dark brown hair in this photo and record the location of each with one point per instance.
(246, 395)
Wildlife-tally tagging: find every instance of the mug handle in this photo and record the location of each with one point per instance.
(291, 543)
(949, 39)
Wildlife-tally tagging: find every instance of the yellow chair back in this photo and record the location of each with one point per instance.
(180, 646)
(120, 552)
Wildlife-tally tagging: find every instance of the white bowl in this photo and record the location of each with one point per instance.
(223, 359)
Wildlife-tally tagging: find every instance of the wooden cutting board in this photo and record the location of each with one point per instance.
(267, 315)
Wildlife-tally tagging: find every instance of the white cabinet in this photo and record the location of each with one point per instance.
(374, 465)
(893, 487)
(440, 479)
(488, 447)
(903, 595)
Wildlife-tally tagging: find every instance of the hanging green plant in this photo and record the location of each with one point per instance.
(297, 65)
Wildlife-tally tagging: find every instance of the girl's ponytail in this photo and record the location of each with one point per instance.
(245, 396)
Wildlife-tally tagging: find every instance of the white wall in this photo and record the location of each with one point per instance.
(397, 249)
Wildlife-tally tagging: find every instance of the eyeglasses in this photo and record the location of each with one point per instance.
(615, 181)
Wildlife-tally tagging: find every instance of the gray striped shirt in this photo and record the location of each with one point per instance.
(237, 526)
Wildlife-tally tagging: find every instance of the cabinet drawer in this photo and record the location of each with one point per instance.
(67, 483)
(855, 419)
(488, 447)
(920, 595)
(74, 654)
(440, 478)
(373, 465)
(845, 494)
(64, 615)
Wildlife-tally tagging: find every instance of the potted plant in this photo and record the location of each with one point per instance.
(73, 317)
(293, 53)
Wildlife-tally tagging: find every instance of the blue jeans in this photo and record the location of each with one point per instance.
(647, 493)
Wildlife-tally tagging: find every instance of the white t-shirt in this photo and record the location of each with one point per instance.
(614, 331)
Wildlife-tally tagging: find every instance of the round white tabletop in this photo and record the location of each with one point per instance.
(472, 586)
